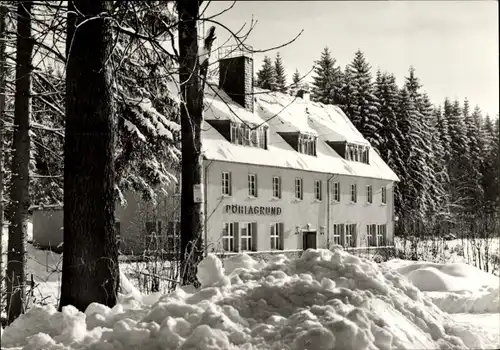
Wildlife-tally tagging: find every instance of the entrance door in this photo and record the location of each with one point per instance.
(309, 239)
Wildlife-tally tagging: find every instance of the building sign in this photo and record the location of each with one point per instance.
(251, 210)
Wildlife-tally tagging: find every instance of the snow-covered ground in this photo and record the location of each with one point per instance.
(323, 300)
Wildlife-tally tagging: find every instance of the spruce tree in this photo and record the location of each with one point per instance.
(391, 139)
(296, 78)
(427, 187)
(327, 80)
(279, 71)
(459, 149)
(475, 160)
(490, 175)
(363, 110)
(266, 77)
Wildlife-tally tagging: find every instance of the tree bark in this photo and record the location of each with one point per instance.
(90, 270)
(19, 192)
(192, 215)
(3, 248)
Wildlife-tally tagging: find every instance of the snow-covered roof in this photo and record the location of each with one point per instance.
(284, 113)
(219, 106)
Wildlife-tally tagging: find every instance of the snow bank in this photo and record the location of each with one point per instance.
(453, 287)
(322, 300)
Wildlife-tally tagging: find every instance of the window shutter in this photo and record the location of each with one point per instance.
(236, 239)
(230, 191)
(254, 236)
(281, 235)
(342, 234)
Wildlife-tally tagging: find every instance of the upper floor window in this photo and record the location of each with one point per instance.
(252, 185)
(307, 144)
(384, 195)
(276, 187)
(299, 190)
(336, 191)
(369, 194)
(318, 191)
(226, 183)
(354, 193)
(247, 135)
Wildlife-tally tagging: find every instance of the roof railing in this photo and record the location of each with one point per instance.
(230, 51)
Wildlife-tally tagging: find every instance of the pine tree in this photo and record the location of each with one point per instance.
(363, 104)
(266, 76)
(279, 71)
(90, 271)
(327, 80)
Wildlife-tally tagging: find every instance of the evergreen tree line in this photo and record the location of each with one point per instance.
(446, 156)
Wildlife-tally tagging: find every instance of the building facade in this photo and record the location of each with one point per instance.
(281, 174)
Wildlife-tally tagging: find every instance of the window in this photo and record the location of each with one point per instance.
(336, 191)
(298, 188)
(276, 236)
(153, 234)
(354, 193)
(370, 235)
(384, 195)
(318, 191)
(226, 183)
(357, 153)
(350, 235)
(117, 231)
(248, 135)
(381, 234)
(247, 236)
(228, 235)
(252, 185)
(172, 242)
(338, 232)
(276, 187)
(307, 144)
(369, 194)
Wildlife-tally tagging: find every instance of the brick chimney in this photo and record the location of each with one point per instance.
(236, 77)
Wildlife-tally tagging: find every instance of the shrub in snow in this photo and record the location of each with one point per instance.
(322, 300)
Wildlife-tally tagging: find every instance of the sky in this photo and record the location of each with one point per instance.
(453, 45)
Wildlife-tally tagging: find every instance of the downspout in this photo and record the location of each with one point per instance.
(328, 203)
(205, 191)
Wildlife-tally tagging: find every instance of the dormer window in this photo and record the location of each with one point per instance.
(307, 144)
(350, 151)
(248, 135)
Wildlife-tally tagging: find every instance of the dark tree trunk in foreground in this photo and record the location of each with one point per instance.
(192, 216)
(90, 270)
(3, 248)
(19, 192)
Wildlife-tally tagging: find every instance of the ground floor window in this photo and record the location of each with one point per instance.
(248, 235)
(338, 232)
(381, 234)
(370, 234)
(228, 237)
(350, 235)
(276, 236)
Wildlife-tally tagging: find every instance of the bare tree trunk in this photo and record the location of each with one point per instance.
(19, 193)
(3, 250)
(90, 270)
(192, 216)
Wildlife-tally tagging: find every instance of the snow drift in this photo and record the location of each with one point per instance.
(322, 300)
(454, 288)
